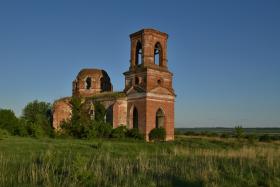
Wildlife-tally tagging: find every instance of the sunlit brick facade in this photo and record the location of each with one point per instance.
(147, 101)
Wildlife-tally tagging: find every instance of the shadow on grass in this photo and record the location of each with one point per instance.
(179, 182)
(171, 180)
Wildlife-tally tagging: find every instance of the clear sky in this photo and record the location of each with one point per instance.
(225, 55)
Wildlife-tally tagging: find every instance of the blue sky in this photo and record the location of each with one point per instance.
(225, 55)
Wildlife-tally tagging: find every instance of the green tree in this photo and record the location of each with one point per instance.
(9, 121)
(79, 125)
(39, 114)
(82, 126)
(239, 131)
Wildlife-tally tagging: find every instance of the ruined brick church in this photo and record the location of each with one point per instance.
(147, 101)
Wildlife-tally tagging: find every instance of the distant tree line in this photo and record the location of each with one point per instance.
(238, 133)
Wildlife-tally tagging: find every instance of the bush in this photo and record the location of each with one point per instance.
(102, 129)
(239, 132)
(225, 135)
(4, 134)
(265, 138)
(178, 132)
(203, 133)
(119, 132)
(134, 133)
(275, 137)
(251, 138)
(158, 134)
(212, 134)
(34, 130)
(21, 129)
(190, 133)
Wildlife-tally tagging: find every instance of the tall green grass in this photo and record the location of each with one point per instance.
(185, 162)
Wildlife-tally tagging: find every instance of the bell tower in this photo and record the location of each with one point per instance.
(148, 84)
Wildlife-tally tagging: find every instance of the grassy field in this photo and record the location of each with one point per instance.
(188, 161)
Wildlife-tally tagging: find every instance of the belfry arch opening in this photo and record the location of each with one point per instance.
(135, 118)
(158, 54)
(88, 83)
(160, 118)
(138, 57)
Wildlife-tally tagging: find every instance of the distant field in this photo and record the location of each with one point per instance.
(188, 161)
(221, 130)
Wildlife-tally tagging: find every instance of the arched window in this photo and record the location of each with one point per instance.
(88, 83)
(135, 118)
(158, 54)
(159, 118)
(138, 57)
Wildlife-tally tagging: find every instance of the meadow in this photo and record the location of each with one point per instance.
(188, 161)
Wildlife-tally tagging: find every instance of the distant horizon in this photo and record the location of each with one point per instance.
(224, 55)
(226, 127)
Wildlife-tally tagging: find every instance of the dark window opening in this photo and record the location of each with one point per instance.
(102, 84)
(135, 118)
(109, 115)
(137, 80)
(92, 114)
(159, 118)
(88, 83)
(159, 82)
(138, 58)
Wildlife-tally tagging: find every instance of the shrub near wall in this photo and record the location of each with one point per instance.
(135, 134)
(119, 132)
(157, 134)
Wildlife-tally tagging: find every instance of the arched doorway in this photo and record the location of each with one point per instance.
(135, 118)
(159, 118)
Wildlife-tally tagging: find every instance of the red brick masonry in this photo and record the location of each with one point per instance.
(148, 98)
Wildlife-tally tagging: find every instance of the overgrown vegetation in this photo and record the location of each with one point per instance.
(188, 161)
(111, 95)
(36, 121)
(83, 125)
